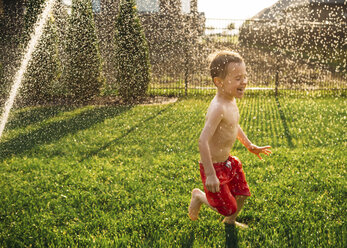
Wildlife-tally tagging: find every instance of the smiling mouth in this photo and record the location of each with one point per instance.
(241, 90)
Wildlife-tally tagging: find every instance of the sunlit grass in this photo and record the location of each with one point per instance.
(121, 176)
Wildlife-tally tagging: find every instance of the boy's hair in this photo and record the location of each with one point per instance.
(218, 66)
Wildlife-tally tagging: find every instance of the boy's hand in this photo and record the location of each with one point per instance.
(257, 150)
(212, 183)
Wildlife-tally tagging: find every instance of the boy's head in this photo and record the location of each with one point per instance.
(228, 72)
(219, 64)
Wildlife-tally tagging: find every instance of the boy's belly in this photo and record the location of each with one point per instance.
(220, 153)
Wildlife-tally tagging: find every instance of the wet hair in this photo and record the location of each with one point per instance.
(219, 64)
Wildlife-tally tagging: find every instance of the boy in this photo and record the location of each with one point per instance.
(224, 182)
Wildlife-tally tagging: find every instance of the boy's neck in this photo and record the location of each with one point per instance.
(225, 97)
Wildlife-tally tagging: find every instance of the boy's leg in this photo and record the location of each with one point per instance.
(198, 198)
(240, 199)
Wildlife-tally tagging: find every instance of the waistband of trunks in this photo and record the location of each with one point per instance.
(220, 163)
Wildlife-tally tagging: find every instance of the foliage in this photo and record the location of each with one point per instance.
(320, 44)
(2, 80)
(82, 71)
(44, 68)
(32, 10)
(121, 177)
(131, 53)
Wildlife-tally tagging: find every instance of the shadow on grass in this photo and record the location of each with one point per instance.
(231, 237)
(57, 130)
(284, 123)
(130, 130)
(188, 240)
(31, 116)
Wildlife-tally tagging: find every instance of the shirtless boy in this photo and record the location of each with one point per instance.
(224, 181)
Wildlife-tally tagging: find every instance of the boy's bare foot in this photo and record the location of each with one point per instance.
(233, 222)
(195, 204)
(241, 225)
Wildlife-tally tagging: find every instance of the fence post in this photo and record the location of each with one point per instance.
(276, 82)
(186, 72)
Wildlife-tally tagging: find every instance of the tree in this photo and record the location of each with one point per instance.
(2, 82)
(131, 54)
(33, 8)
(82, 72)
(43, 69)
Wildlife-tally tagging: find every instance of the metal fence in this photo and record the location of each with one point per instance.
(292, 66)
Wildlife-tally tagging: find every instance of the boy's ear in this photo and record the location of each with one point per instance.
(218, 81)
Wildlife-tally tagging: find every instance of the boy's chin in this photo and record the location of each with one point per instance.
(239, 96)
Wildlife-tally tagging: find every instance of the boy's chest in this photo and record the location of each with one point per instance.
(229, 124)
(231, 116)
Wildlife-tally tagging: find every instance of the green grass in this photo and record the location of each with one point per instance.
(122, 176)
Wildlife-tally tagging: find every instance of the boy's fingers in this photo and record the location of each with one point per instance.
(212, 189)
(216, 188)
(267, 152)
(265, 148)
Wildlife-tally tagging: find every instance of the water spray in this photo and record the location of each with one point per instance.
(38, 30)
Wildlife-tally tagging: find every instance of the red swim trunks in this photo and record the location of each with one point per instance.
(232, 182)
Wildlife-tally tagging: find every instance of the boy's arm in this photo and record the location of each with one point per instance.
(251, 147)
(212, 120)
(241, 136)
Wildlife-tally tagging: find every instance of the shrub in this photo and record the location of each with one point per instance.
(43, 69)
(32, 10)
(131, 54)
(82, 72)
(2, 82)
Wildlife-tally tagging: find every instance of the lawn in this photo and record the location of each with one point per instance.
(101, 176)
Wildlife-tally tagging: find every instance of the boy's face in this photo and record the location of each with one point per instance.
(234, 83)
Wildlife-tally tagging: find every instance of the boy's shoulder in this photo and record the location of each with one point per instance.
(216, 107)
(221, 104)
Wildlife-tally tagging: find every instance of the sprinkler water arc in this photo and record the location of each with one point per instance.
(38, 30)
